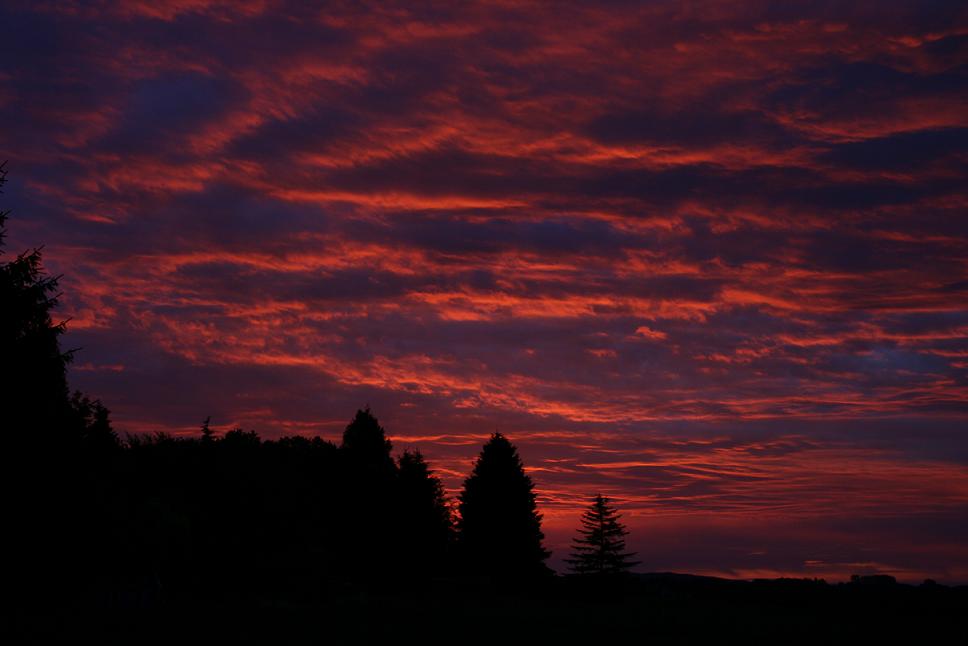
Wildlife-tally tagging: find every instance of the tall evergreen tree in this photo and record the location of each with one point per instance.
(57, 465)
(367, 496)
(34, 400)
(500, 527)
(599, 548)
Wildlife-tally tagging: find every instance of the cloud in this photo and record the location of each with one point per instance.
(707, 257)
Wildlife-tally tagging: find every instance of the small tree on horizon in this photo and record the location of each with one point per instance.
(599, 548)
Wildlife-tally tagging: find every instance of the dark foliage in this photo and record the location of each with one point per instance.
(366, 502)
(500, 527)
(207, 433)
(59, 448)
(599, 548)
(35, 394)
(425, 533)
(366, 445)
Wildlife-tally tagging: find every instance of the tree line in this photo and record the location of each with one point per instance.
(151, 516)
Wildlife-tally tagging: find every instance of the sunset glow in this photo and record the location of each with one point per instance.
(709, 259)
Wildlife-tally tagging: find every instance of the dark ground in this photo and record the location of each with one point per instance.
(652, 609)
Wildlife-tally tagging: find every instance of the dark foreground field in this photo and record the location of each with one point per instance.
(653, 609)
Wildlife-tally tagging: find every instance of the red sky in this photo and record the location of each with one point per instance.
(708, 258)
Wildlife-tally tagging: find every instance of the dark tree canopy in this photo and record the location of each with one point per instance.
(368, 506)
(60, 448)
(92, 422)
(366, 443)
(35, 394)
(35, 401)
(500, 527)
(426, 529)
(599, 548)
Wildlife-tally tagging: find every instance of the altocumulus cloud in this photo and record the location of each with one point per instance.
(707, 259)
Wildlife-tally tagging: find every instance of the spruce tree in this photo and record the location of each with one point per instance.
(34, 401)
(36, 407)
(59, 448)
(500, 527)
(599, 548)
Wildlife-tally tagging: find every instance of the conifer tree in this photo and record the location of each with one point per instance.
(500, 527)
(367, 496)
(35, 402)
(35, 396)
(58, 448)
(599, 548)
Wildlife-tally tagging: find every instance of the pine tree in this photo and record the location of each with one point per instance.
(207, 433)
(59, 448)
(500, 527)
(599, 548)
(35, 395)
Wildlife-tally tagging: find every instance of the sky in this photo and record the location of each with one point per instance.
(709, 259)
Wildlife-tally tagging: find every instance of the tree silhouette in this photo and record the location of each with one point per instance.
(60, 449)
(425, 528)
(366, 445)
(500, 527)
(35, 395)
(207, 433)
(368, 511)
(93, 424)
(599, 548)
